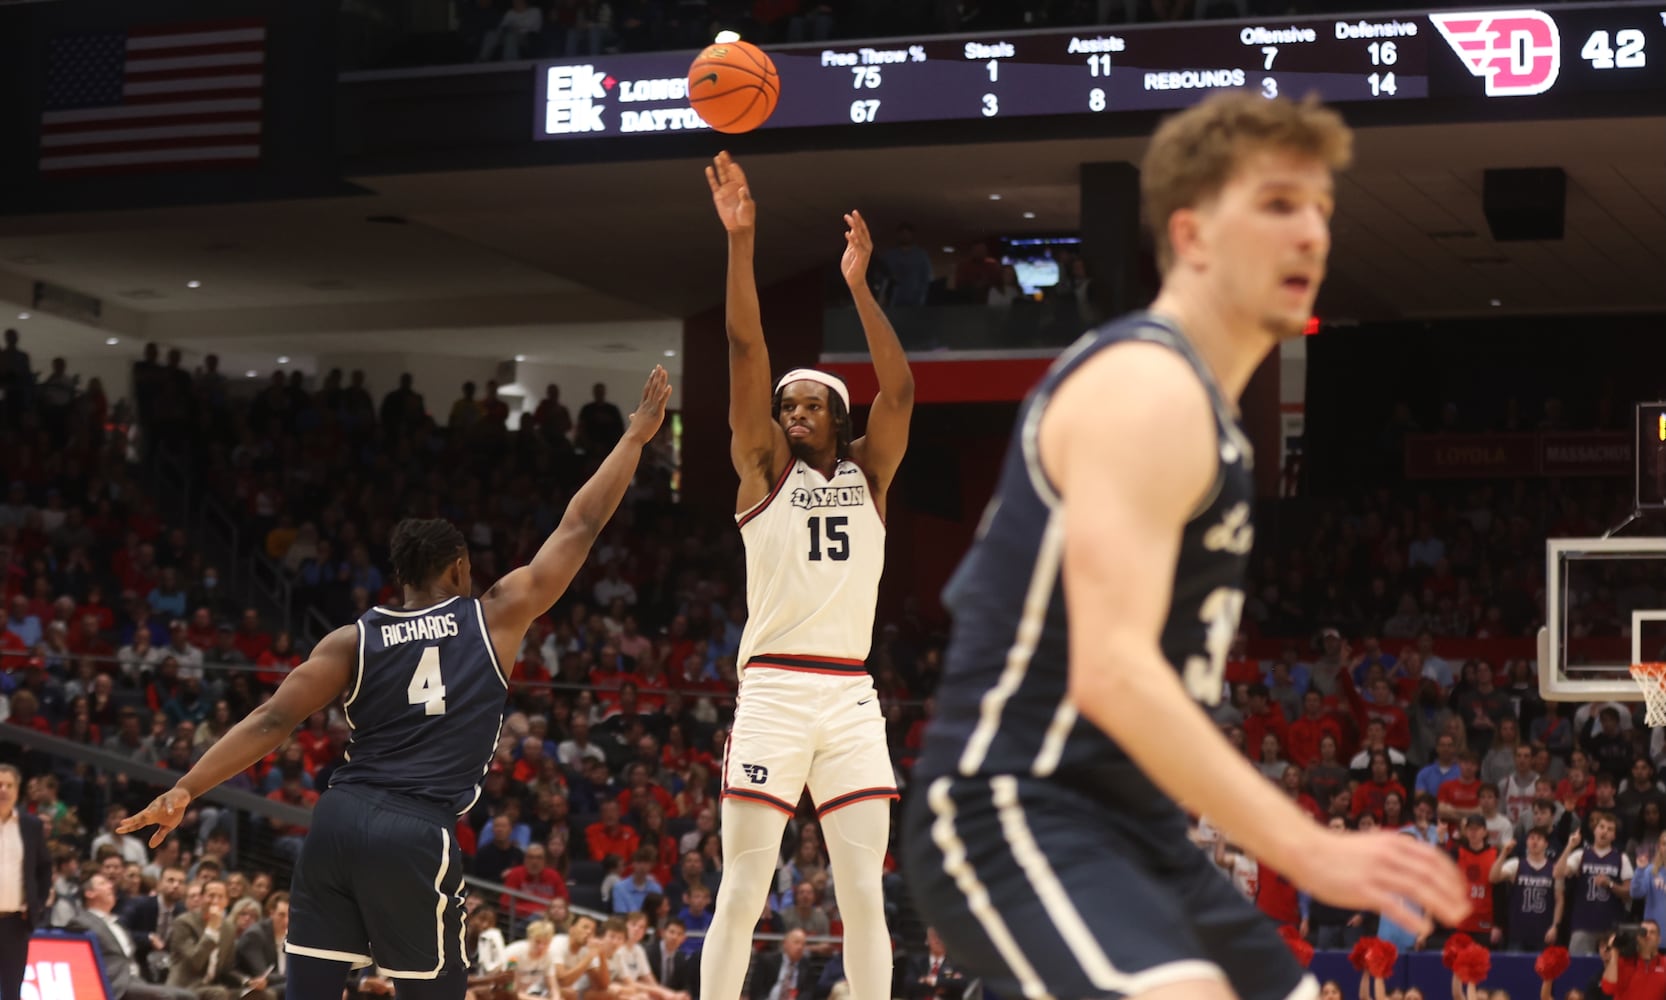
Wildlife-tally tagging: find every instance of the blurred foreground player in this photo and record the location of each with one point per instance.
(811, 512)
(379, 880)
(1100, 599)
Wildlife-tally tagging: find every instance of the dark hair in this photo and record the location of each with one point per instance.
(843, 433)
(421, 548)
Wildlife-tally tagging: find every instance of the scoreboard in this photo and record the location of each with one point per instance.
(1506, 55)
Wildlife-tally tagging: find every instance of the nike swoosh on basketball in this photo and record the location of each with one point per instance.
(708, 78)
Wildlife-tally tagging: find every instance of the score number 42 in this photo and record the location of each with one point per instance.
(1626, 54)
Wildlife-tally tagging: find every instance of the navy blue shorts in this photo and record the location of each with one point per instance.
(379, 882)
(1041, 889)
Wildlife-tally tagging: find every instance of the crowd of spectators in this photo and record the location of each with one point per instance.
(603, 792)
(602, 796)
(1553, 811)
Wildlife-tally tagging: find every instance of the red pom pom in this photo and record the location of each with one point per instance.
(1455, 945)
(1302, 951)
(1551, 963)
(1473, 964)
(1380, 959)
(1356, 958)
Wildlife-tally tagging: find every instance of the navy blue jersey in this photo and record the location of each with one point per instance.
(426, 705)
(1002, 705)
(1532, 901)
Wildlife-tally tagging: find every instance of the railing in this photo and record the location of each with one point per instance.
(269, 580)
(172, 486)
(219, 538)
(315, 625)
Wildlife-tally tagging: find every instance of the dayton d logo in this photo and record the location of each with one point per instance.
(756, 773)
(1518, 52)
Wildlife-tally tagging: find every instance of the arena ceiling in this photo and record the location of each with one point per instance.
(479, 262)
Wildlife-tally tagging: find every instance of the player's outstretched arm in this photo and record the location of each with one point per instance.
(308, 688)
(527, 592)
(880, 450)
(1131, 438)
(757, 447)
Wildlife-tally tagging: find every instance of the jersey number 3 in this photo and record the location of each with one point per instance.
(427, 688)
(1206, 675)
(838, 541)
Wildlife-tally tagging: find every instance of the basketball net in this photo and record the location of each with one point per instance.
(1651, 677)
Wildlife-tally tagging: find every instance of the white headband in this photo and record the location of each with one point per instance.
(833, 382)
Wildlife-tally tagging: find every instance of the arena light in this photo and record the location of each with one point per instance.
(193, 284)
(725, 37)
(111, 341)
(23, 315)
(670, 353)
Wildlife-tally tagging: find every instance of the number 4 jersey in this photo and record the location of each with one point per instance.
(425, 703)
(1003, 706)
(815, 549)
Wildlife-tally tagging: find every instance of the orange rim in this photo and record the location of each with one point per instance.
(1653, 671)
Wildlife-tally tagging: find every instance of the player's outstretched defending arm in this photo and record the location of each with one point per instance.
(880, 450)
(307, 689)
(757, 447)
(1131, 437)
(515, 601)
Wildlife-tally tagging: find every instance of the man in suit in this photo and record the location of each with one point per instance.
(116, 946)
(202, 951)
(672, 969)
(783, 975)
(150, 919)
(932, 975)
(260, 949)
(25, 881)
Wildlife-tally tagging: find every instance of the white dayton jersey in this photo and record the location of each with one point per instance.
(815, 549)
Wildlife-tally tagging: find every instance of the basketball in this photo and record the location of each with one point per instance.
(733, 86)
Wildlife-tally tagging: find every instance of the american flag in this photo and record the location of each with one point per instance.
(164, 96)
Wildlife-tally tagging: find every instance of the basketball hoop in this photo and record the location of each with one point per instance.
(1651, 677)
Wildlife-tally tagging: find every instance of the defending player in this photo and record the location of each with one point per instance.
(379, 877)
(1099, 601)
(811, 511)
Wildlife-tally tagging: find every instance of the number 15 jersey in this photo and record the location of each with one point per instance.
(1003, 706)
(815, 549)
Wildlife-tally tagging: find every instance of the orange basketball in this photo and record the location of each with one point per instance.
(733, 86)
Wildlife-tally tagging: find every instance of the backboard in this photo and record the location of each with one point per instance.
(1605, 609)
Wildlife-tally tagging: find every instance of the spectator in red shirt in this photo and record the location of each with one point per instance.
(532, 760)
(1640, 978)
(642, 790)
(1292, 783)
(1241, 668)
(1396, 726)
(1262, 717)
(251, 640)
(1302, 747)
(1461, 797)
(534, 877)
(1369, 796)
(86, 641)
(1575, 792)
(609, 836)
(13, 650)
(200, 633)
(26, 713)
(1276, 897)
(290, 835)
(278, 661)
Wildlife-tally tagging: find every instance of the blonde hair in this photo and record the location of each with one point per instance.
(540, 930)
(1195, 153)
